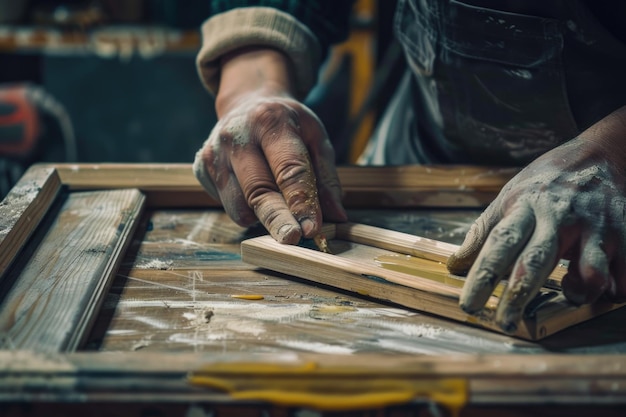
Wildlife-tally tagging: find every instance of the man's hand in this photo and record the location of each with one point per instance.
(268, 158)
(569, 203)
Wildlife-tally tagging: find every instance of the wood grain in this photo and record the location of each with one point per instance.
(354, 268)
(187, 264)
(22, 209)
(174, 185)
(36, 382)
(405, 243)
(155, 377)
(56, 291)
(424, 248)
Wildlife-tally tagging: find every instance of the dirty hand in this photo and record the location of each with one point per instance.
(268, 158)
(569, 203)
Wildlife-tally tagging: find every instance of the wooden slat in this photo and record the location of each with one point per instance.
(421, 247)
(355, 269)
(22, 210)
(428, 177)
(430, 249)
(154, 377)
(174, 185)
(57, 290)
(359, 276)
(164, 185)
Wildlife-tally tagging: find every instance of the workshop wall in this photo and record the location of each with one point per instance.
(123, 75)
(136, 110)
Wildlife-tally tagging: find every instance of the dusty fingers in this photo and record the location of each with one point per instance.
(460, 262)
(266, 162)
(502, 247)
(588, 279)
(531, 270)
(213, 170)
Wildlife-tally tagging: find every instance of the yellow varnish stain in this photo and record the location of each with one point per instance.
(252, 297)
(330, 388)
(424, 268)
(333, 309)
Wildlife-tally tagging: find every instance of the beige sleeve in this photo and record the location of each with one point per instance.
(258, 26)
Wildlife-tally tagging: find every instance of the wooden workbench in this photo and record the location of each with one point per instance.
(173, 306)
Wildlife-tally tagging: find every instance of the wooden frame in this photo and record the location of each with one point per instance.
(409, 285)
(69, 380)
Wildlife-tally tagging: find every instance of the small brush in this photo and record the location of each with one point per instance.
(321, 243)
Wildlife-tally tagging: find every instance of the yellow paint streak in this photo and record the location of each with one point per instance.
(251, 297)
(330, 388)
(333, 309)
(328, 401)
(424, 268)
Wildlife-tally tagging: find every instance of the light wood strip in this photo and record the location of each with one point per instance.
(356, 270)
(56, 292)
(22, 210)
(420, 247)
(364, 278)
(164, 185)
(174, 185)
(521, 366)
(405, 243)
(153, 378)
(432, 177)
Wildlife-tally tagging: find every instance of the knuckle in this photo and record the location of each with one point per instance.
(506, 235)
(209, 155)
(301, 198)
(478, 228)
(257, 191)
(267, 212)
(487, 276)
(215, 168)
(536, 257)
(295, 172)
(272, 115)
(519, 291)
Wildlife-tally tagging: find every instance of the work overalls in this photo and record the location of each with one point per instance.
(493, 87)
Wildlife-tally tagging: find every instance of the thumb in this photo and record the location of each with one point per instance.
(460, 261)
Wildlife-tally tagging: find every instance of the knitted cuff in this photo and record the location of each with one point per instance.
(258, 26)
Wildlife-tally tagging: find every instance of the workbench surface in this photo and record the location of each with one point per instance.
(175, 288)
(123, 289)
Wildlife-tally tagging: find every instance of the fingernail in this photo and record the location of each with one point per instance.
(458, 266)
(468, 308)
(307, 226)
(508, 318)
(475, 295)
(289, 234)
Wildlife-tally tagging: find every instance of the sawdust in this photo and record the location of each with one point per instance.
(156, 264)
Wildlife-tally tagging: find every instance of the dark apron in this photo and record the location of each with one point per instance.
(494, 87)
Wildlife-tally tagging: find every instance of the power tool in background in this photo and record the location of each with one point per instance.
(33, 127)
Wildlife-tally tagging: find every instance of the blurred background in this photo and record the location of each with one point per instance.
(115, 81)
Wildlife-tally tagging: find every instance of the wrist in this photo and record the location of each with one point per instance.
(253, 71)
(608, 138)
